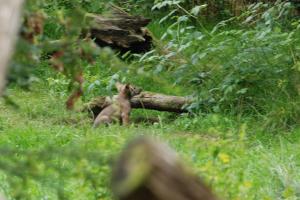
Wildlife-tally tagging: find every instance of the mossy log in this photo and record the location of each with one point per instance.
(150, 170)
(145, 100)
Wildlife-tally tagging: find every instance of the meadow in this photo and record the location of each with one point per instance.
(233, 156)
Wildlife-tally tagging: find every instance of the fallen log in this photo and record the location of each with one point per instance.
(150, 170)
(160, 102)
(121, 31)
(145, 100)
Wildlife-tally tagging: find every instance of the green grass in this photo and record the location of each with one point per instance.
(247, 73)
(48, 152)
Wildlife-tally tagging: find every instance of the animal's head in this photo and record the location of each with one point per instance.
(128, 90)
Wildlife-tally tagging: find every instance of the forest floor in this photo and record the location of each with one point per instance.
(231, 155)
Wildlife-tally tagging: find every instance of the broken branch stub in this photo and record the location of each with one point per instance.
(150, 170)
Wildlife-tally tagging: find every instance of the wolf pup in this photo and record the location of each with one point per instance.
(120, 108)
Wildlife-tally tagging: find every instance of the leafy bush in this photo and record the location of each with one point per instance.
(251, 68)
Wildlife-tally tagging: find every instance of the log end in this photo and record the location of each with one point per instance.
(150, 170)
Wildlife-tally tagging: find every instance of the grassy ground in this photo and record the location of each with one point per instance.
(48, 152)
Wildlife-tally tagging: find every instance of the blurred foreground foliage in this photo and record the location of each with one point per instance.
(49, 172)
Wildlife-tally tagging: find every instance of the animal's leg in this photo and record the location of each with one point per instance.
(125, 118)
(101, 120)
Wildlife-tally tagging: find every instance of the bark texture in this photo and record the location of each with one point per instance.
(121, 31)
(150, 170)
(160, 102)
(145, 100)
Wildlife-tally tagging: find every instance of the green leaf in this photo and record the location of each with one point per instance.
(196, 10)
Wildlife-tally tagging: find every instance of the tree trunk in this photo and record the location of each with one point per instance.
(145, 100)
(9, 19)
(150, 170)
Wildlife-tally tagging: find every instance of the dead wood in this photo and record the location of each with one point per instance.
(160, 102)
(121, 31)
(145, 100)
(150, 170)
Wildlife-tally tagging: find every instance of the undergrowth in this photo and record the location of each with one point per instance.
(245, 65)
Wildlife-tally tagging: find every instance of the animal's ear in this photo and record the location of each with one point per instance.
(127, 86)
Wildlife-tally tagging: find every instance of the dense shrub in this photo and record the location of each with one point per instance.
(247, 64)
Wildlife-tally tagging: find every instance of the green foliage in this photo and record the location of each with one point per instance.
(47, 152)
(243, 72)
(246, 64)
(248, 69)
